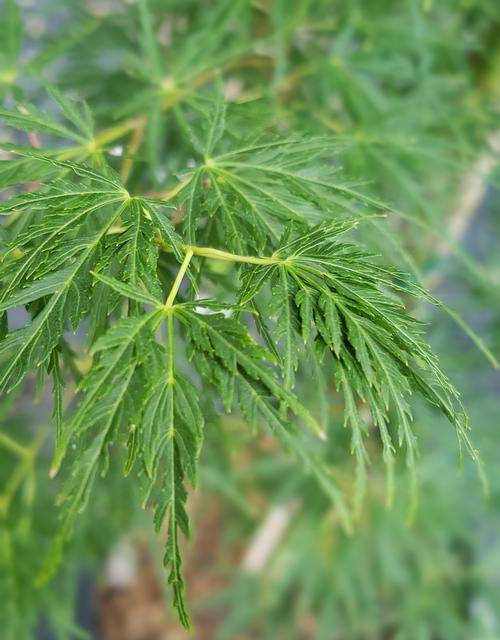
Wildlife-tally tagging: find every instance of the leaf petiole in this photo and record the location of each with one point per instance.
(177, 282)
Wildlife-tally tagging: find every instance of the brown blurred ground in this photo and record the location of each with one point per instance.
(140, 611)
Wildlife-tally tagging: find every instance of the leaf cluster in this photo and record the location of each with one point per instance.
(160, 287)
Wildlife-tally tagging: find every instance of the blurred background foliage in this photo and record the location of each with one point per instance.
(410, 90)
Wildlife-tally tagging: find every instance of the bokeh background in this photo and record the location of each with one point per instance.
(411, 90)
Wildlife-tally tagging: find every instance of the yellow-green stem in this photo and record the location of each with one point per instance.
(177, 282)
(217, 254)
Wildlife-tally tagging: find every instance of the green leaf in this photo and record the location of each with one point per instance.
(377, 348)
(190, 203)
(24, 170)
(217, 121)
(77, 489)
(116, 358)
(136, 250)
(31, 345)
(286, 328)
(172, 434)
(39, 288)
(127, 290)
(222, 348)
(167, 229)
(80, 170)
(29, 118)
(78, 113)
(148, 42)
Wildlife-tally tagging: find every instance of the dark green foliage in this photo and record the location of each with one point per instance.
(211, 254)
(326, 294)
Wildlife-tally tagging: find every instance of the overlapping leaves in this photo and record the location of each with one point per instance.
(80, 247)
(333, 297)
(245, 197)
